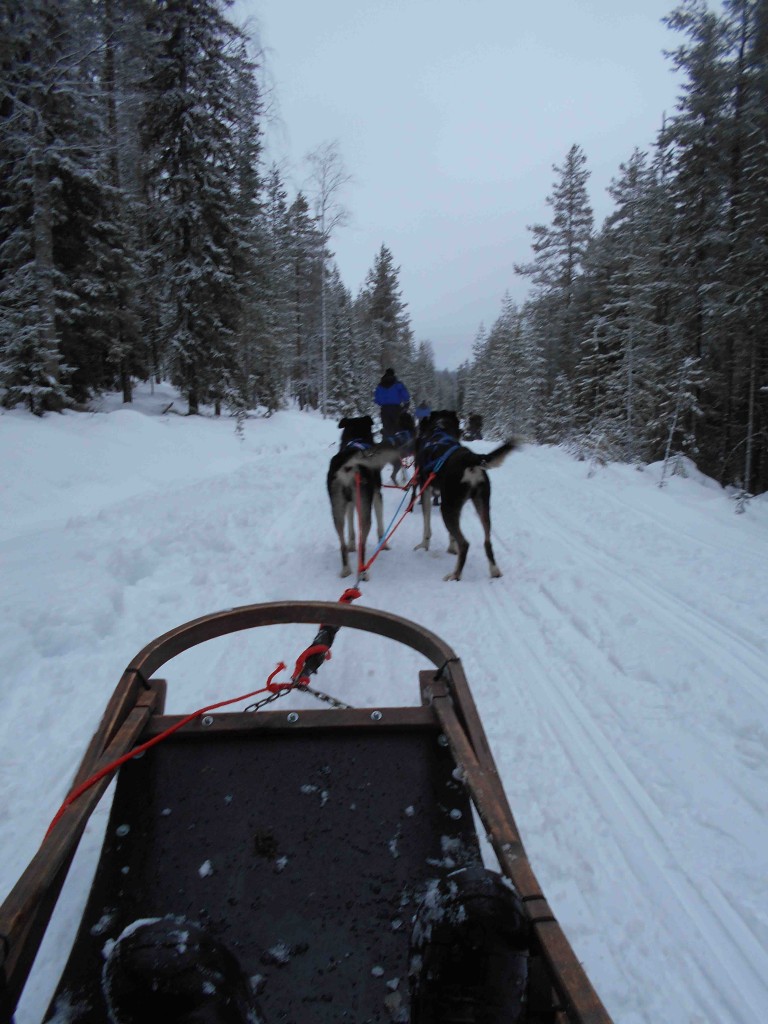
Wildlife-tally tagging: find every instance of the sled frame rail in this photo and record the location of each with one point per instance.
(134, 711)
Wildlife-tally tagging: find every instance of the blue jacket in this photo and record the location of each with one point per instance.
(396, 394)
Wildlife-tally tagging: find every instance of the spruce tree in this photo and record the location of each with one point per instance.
(268, 354)
(305, 254)
(190, 135)
(41, 107)
(619, 370)
(422, 374)
(559, 251)
(385, 313)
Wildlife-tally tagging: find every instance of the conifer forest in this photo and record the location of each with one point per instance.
(144, 235)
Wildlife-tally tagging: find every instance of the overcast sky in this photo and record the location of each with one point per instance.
(449, 115)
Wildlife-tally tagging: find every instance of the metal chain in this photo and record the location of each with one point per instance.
(333, 701)
(326, 697)
(267, 700)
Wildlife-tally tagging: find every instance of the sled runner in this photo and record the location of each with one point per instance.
(320, 865)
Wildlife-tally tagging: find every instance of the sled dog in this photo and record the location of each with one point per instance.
(460, 476)
(357, 455)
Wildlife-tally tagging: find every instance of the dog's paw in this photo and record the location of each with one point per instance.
(423, 546)
(385, 547)
(452, 576)
(346, 571)
(496, 572)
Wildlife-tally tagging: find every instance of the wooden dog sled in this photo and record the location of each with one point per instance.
(302, 842)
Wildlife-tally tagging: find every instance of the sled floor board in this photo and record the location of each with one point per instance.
(305, 852)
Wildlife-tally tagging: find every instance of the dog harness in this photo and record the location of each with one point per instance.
(357, 443)
(438, 447)
(401, 438)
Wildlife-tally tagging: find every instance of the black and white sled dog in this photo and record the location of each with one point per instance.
(460, 476)
(357, 454)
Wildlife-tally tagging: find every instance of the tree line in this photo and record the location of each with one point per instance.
(141, 236)
(647, 336)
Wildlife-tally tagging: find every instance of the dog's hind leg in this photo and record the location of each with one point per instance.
(426, 512)
(339, 518)
(365, 529)
(378, 508)
(482, 504)
(351, 540)
(451, 517)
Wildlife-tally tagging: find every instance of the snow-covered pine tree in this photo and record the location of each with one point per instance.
(422, 374)
(236, 387)
(347, 358)
(189, 131)
(746, 269)
(474, 378)
(506, 378)
(699, 138)
(268, 354)
(41, 106)
(561, 422)
(559, 250)
(368, 354)
(328, 178)
(617, 373)
(305, 253)
(120, 27)
(521, 373)
(385, 313)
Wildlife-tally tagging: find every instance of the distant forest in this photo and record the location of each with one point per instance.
(143, 236)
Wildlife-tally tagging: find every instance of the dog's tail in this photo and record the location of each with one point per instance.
(497, 456)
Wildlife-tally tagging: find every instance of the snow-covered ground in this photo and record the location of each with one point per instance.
(619, 665)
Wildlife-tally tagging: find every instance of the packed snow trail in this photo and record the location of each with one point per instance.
(619, 666)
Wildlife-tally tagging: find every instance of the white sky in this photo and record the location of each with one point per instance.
(449, 114)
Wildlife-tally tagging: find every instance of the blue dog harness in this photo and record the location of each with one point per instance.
(439, 447)
(356, 443)
(400, 439)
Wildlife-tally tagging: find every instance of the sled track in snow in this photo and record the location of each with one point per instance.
(619, 796)
(715, 639)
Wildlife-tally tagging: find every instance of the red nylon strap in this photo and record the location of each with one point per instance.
(349, 595)
(113, 765)
(416, 496)
(276, 687)
(359, 509)
(297, 676)
(270, 687)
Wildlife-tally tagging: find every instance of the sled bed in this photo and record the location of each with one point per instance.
(303, 840)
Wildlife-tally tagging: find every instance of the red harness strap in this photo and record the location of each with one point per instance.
(270, 687)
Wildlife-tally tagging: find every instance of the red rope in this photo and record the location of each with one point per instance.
(384, 540)
(359, 506)
(349, 595)
(297, 676)
(276, 687)
(113, 765)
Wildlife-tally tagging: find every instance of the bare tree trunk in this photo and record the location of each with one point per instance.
(110, 86)
(750, 416)
(44, 271)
